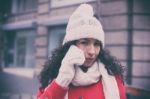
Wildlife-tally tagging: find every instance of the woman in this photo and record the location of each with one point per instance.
(81, 68)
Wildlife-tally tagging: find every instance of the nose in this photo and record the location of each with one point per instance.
(91, 50)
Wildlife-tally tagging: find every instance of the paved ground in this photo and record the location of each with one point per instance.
(17, 87)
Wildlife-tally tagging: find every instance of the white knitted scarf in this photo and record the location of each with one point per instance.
(93, 74)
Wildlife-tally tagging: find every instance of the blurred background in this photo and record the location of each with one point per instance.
(31, 29)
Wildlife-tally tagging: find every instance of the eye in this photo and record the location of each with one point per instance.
(84, 42)
(97, 44)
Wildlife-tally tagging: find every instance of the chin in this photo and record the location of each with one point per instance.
(87, 64)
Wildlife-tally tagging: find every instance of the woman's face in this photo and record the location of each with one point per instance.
(91, 49)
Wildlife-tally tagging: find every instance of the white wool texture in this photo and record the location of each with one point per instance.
(83, 24)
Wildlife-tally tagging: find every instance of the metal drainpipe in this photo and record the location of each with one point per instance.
(130, 37)
(130, 41)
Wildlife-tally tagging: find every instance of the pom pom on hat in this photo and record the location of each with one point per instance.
(82, 11)
(83, 24)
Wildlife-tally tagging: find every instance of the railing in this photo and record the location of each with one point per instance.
(137, 92)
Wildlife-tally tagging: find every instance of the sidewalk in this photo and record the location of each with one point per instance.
(15, 86)
(16, 96)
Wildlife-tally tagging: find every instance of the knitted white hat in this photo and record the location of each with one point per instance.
(83, 24)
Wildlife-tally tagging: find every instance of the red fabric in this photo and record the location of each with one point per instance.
(54, 91)
(94, 91)
(121, 87)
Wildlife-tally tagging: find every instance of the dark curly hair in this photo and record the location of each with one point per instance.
(51, 67)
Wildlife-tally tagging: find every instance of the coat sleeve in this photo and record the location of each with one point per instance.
(52, 91)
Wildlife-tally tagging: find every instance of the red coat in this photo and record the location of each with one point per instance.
(54, 91)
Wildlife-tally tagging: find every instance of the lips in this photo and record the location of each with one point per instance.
(89, 59)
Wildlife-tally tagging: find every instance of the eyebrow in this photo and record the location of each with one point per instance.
(84, 39)
(89, 40)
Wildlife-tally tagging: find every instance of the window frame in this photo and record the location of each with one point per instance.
(60, 3)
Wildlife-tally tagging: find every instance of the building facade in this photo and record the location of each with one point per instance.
(34, 28)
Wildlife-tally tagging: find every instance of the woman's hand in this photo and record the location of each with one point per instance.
(74, 57)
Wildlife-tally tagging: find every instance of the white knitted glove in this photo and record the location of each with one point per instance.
(74, 57)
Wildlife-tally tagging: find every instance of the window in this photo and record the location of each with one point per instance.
(58, 3)
(9, 48)
(25, 48)
(56, 36)
(21, 46)
(19, 6)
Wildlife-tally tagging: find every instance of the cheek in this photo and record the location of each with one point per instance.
(97, 51)
(82, 48)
